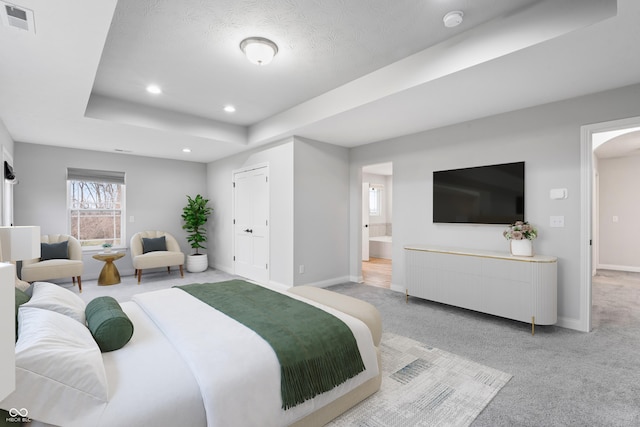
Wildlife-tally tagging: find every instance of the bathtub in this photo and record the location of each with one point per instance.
(380, 247)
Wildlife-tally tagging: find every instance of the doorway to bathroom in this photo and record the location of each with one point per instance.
(377, 224)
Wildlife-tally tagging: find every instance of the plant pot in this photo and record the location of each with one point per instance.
(106, 250)
(197, 263)
(522, 247)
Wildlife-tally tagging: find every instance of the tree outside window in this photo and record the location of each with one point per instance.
(96, 212)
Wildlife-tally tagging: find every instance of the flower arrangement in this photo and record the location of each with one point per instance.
(520, 230)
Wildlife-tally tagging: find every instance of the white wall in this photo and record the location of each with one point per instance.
(619, 242)
(547, 138)
(321, 211)
(308, 209)
(279, 156)
(6, 143)
(156, 191)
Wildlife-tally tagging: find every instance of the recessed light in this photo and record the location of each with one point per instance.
(186, 150)
(229, 108)
(154, 89)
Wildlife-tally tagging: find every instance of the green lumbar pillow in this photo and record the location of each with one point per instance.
(109, 325)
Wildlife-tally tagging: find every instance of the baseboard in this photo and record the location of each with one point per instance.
(569, 323)
(225, 269)
(279, 286)
(329, 282)
(628, 268)
(356, 279)
(398, 288)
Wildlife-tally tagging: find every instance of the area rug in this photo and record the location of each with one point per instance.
(425, 386)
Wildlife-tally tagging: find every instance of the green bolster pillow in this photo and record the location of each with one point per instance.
(109, 325)
(21, 298)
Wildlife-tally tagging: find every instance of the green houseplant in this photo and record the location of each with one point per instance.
(195, 215)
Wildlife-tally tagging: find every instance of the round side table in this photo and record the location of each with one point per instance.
(109, 274)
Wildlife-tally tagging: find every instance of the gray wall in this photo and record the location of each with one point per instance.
(619, 242)
(547, 138)
(156, 192)
(321, 211)
(279, 157)
(309, 206)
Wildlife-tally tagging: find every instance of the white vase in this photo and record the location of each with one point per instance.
(522, 247)
(197, 263)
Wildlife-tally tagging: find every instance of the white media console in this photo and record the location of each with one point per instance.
(514, 287)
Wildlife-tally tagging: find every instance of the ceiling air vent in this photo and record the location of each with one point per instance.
(17, 17)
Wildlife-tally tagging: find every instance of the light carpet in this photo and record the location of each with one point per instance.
(425, 386)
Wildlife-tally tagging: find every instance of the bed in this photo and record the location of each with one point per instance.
(185, 364)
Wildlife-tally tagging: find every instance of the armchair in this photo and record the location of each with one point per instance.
(62, 258)
(153, 249)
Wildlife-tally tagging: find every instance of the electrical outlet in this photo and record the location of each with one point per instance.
(556, 221)
(301, 269)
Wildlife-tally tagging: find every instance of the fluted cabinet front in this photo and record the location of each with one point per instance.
(518, 288)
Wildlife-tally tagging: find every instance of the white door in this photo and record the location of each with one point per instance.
(365, 221)
(251, 224)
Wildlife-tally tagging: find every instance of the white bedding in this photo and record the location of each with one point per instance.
(210, 371)
(237, 371)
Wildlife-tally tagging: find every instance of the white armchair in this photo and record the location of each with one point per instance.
(153, 249)
(56, 262)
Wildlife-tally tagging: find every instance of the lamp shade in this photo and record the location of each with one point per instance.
(20, 243)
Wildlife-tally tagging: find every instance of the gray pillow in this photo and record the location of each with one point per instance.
(153, 244)
(54, 250)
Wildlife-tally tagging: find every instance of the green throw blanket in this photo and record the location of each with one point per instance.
(316, 350)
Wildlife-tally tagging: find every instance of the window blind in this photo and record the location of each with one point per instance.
(75, 174)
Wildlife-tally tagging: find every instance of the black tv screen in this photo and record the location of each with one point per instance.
(480, 195)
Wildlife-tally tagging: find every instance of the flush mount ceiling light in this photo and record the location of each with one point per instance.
(259, 50)
(229, 108)
(453, 19)
(186, 150)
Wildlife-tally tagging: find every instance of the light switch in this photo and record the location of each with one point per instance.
(615, 218)
(132, 219)
(558, 193)
(556, 221)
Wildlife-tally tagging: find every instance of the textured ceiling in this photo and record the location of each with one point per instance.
(191, 48)
(349, 72)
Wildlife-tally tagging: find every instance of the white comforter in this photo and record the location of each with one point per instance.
(237, 372)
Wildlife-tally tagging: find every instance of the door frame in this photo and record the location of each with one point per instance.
(365, 227)
(587, 199)
(233, 213)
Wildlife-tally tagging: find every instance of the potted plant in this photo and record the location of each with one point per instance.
(195, 216)
(106, 247)
(520, 235)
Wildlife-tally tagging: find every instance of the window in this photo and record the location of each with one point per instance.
(96, 206)
(375, 200)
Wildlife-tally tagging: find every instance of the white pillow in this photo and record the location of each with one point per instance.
(60, 375)
(50, 296)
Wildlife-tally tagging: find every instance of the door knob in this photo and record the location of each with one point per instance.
(248, 230)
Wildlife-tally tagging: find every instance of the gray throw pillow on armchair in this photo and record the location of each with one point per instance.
(153, 244)
(54, 250)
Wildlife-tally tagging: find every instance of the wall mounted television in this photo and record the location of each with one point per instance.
(492, 194)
